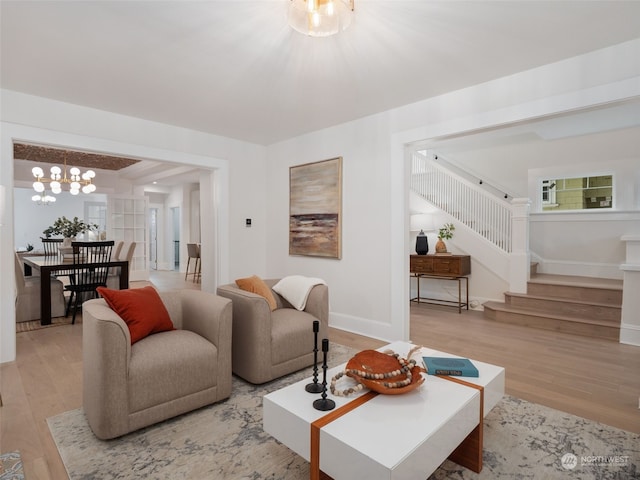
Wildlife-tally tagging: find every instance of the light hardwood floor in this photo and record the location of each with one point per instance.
(587, 377)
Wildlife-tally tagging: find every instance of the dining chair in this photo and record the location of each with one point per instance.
(118, 249)
(28, 295)
(50, 246)
(115, 255)
(89, 272)
(193, 251)
(113, 279)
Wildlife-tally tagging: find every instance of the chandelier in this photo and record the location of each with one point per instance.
(43, 199)
(75, 180)
(320, 18)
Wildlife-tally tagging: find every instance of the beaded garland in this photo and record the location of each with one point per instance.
(405, 369)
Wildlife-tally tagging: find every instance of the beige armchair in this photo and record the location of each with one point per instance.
(127, 387)
(269, 344)
(28, 295)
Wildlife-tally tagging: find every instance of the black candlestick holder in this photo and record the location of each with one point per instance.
(315, 387)
(324, 403)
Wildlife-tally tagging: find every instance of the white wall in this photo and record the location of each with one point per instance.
(249, 195)
(359, 283)
(194, 215)
(582, 243)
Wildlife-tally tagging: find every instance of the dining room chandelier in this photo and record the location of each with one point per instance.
(43, 198)
(320, 18)
(75, 180)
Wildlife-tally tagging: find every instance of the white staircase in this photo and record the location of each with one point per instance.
(495, 232)
(492, 230)
(484, 213)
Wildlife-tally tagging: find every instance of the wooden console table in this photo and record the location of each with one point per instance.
(442, 267)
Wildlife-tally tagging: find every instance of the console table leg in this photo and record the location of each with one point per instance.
(467, 289)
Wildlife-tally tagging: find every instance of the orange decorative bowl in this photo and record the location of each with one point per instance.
(372, 362)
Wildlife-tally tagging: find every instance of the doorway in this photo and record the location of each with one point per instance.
(175, 224)
(153, 238)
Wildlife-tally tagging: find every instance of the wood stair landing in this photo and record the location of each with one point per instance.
(578, 305)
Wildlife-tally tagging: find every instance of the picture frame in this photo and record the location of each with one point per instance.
(315, 209)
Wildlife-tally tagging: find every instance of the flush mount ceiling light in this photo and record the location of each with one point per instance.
(320, 18)
(75, 180)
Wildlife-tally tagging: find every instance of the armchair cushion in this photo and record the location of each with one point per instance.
(255, 284)
(152, 383)
(140, 308)
(296, 289)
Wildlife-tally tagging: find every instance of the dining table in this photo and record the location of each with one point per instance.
(48, 265)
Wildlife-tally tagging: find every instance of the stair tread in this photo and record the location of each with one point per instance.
(553, 298)
(568, 318)
(577, 281)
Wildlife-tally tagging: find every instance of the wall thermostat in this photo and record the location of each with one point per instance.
(247, 222)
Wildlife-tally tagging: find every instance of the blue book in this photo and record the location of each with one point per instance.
(459, 367)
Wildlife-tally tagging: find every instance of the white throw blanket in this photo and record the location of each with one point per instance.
(296, 289)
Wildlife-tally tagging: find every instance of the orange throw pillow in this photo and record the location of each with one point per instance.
(141, 309)
(255, 284)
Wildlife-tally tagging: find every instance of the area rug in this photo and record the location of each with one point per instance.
(11, 466)
(225, 441)
(32, 325)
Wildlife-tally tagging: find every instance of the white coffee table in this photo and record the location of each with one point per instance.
(388, 436)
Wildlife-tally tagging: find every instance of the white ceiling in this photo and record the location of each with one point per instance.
(234, 68)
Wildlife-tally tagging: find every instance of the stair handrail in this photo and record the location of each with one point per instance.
(482, 212)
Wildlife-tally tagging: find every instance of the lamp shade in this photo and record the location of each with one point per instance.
(421, 221)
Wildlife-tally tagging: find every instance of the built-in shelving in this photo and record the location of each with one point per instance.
(128, 222)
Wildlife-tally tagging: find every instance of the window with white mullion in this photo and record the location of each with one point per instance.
(577, 193)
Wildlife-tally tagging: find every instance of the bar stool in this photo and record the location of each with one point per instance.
(193, 251)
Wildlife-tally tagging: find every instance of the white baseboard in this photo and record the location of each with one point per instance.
(380, 330)
(582, 269)
(630, 334)
(362, 326)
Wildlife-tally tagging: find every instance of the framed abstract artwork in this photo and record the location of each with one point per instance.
(315, 209)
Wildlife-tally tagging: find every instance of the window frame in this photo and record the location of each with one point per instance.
(548, 186)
